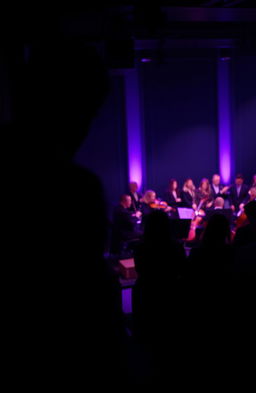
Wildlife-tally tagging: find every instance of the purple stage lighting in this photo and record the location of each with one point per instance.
(133, 122)
(224, 120)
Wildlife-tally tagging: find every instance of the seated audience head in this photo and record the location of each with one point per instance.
(133, 186)
(188, 185)
(216, 179)
(250, 211)
(219, 203)
(157, 228)
(126, 201)
(173, 185)
(205, 185)
(217, 232)
(149, 196)
(239, 179)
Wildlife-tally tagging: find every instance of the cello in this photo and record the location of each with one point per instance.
(196, 220)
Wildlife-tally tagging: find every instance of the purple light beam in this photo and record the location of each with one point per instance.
(133, 123)
(224, 120)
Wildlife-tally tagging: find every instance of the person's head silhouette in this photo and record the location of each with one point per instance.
(157, 228)
(217, 232)
(250, 211)
(62, 86)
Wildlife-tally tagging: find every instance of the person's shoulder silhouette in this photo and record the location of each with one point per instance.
(58, 92)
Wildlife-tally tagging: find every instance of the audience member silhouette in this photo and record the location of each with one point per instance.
(207, 299)
(58, 91)
(213, 257)
(244, 293)
(158, 260)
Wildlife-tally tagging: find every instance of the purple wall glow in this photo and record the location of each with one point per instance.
(133, 124)
(224, 120)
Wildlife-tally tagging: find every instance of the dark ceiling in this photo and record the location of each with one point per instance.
(195, 3)
(146, 26)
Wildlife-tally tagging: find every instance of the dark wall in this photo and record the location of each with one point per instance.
(5, 99)
(244, 115)
(104, 149)
(180, 110)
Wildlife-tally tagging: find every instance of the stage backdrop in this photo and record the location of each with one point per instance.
(244, 114)
(180, 120)
(179, 117)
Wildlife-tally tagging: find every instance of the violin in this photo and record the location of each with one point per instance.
(159, 205)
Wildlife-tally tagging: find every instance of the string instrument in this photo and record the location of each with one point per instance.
(241, 220)
(196, 220)
(159, 205)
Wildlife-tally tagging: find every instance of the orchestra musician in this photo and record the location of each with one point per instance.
(251, 196)
(150, 203)
(172, 196)
(203, 196)
(218, 203)
(124, 223)
(199, 222)
(148, 198)
(252, 193)
(135, 195)
(238, 193)
(246, 232)
(219, 207)
(188, 194)
(218, 190)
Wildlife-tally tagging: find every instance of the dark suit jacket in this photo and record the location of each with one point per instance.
(146, 209)
(169, 198)
(187, 199)
(135, 204)
(235, 199)
(216, 195)
(124, 223)
(228, 213)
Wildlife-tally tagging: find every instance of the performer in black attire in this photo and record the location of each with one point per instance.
(172, 195)
(252, 193)
(188, 194)
(135, 195)
(238, 193)
(251, 196)
(218, 207)
(148, 199)
(218, 190)
(204, 195)
(124, 224)
(247, 234)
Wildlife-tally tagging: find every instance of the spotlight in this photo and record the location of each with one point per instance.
(146, 60)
